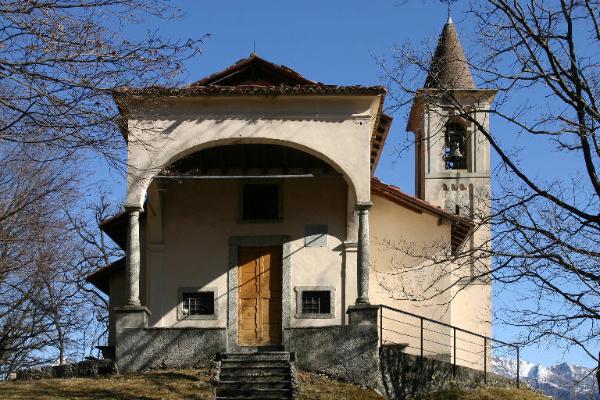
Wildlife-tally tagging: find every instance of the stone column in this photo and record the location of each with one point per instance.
(363, 253)
(133, 257)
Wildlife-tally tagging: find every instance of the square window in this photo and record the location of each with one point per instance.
(316, 302)
(197, 303)
(260, 202)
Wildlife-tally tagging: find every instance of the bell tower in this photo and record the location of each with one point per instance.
(452, 155)
(453, 160)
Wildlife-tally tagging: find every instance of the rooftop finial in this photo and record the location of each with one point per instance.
(449, 3)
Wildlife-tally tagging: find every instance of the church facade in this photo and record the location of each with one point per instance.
(253, 219)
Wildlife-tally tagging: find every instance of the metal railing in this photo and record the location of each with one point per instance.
(429, 338)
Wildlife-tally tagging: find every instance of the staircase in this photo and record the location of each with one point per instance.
(257, 375)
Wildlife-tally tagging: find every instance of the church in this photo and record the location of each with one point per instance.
(254, 224)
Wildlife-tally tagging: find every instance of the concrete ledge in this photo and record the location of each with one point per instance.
(130, 317)
(363, 314)
(132, 309)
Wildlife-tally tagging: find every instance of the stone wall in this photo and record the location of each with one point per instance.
(87, 368)
(141, 349)
(347, 352)
(406, 376)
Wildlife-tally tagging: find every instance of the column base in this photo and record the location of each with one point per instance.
(363, 314)
(131, 317)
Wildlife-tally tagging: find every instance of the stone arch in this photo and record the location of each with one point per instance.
(139, 181)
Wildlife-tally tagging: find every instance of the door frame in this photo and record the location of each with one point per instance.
(235, 242)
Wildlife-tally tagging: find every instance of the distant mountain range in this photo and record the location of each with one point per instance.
(561, 381)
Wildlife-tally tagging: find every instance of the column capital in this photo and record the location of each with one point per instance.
(363, 206)
(131, 209)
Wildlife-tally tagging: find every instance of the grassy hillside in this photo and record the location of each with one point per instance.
(487, 394)
(194, 384)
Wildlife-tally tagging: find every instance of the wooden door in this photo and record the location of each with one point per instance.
(259, 293)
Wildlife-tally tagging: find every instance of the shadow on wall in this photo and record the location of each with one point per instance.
(344, 352)
(141, 349)
(406, 376)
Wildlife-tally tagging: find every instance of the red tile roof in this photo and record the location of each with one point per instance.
(255, 76)
(460, 226)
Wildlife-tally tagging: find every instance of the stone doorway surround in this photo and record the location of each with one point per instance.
(235, 242)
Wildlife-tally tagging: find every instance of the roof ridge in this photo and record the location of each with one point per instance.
(242, 65)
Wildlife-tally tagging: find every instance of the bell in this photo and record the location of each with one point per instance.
(455, 155)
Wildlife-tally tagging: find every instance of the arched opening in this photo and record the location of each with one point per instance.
(455, 146)
(259, 167)
(248, 161)
(232, 219)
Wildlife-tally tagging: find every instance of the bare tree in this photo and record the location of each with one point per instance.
(31, 226)
(93, 252)
(60, 60)
(543, 57)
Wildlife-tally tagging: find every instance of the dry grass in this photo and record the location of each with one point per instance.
(194, 384)
(168, 384)
(318, 387)
(486, 394)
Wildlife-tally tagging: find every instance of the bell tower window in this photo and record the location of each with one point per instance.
(455, 152)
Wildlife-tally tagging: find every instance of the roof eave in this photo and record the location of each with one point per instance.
(101, 278)
(461, 227)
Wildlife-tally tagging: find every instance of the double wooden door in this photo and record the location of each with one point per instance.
(259, 296)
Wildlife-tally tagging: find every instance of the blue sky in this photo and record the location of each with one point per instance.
(332, 42)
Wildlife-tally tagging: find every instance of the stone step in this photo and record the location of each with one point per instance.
(261, 356)
(242, 364)
(253, 393)
(251, 385)
(253, 397)
(255, 376)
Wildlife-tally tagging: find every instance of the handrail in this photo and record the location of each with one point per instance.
(446, 325)
(486, 339)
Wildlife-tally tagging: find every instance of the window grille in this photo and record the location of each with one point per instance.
(316, 302)
(198, 303)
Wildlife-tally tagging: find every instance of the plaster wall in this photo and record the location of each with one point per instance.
(336, 129)
(401, 240)
(198, 219)
(117, 297)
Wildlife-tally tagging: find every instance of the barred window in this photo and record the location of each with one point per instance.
(316, 302)
(198, 303)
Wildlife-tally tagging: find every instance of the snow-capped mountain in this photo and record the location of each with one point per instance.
(561, 381)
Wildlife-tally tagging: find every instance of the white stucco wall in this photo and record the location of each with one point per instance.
(403, 280)
(199, 217)
(336, 129)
